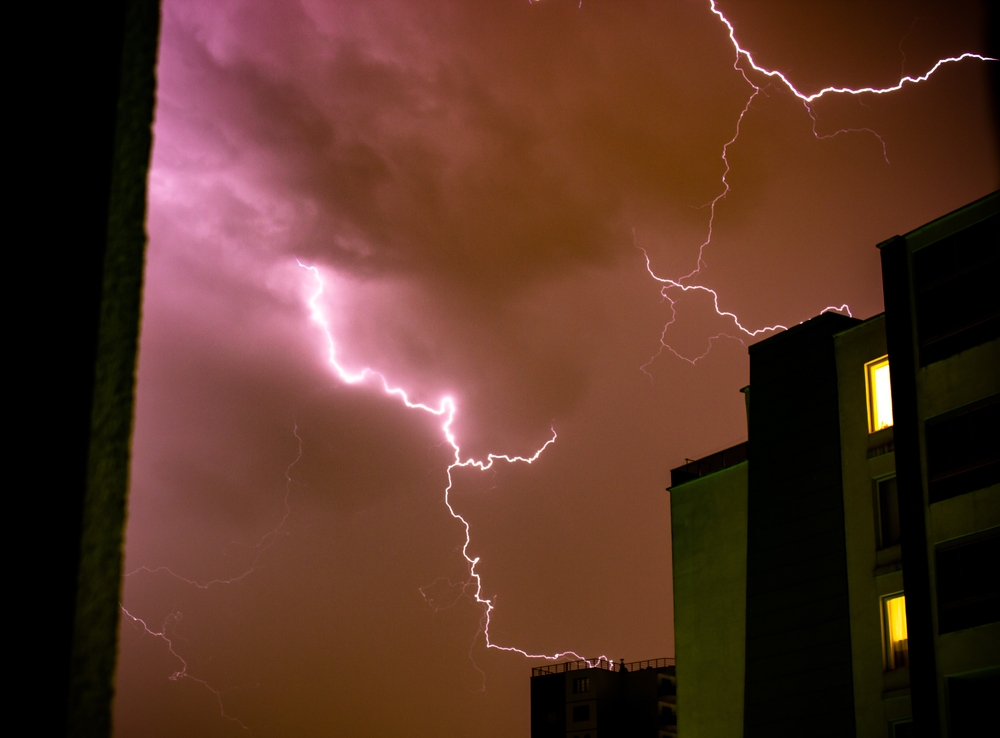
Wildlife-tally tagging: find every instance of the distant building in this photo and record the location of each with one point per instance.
(600, 699)
(838, 574)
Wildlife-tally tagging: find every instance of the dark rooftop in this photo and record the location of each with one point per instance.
(600, 663)
(709, 464)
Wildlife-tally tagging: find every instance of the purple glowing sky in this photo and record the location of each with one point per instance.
(473, 179)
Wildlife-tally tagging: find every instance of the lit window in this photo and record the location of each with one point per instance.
(896, 644)
(581, 685)
(879, 394)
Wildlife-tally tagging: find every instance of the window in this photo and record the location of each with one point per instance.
(887, 508)
(968, 590)
(901, 728)
(954, 285)
(971, 702)
(896, 644)
(962, 452)
(879, 394)
(581, 685)
(581, 713)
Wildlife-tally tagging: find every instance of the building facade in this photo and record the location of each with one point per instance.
(602, 699)
(837, 575)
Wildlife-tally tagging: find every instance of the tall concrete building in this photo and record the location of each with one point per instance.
(836, 575)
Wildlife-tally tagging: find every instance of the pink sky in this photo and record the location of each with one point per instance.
(473, 179)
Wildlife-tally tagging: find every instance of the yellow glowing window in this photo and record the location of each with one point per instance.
(879, 394)
(896, 644)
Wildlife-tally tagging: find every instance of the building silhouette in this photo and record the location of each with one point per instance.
(836, 575)
(602, 699)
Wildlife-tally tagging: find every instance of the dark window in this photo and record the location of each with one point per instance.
(901, 729)
(962, 450)
(954, 280)
(581, 713)
(968, 589)
(581, 685)
(887, 507)
(667, 717)
(971, 703)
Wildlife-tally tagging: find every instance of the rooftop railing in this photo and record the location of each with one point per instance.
(710, 464)
(605, 664)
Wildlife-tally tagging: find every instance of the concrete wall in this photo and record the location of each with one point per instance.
(884, 696)
(879, 696)
(944, 386)
(798, 676)
(709, 533)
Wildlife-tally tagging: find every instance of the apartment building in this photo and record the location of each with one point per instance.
(836, 574)
(602, 699)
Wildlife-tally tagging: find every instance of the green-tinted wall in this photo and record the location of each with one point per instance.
(709, 532)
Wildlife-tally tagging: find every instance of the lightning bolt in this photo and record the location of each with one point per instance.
(446, 409)
(671, 289)
(263, 545)
(265, 542)
(682, 284)
(181, 673)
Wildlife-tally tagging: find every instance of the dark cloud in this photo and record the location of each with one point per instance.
(518, 149)
(472, 179)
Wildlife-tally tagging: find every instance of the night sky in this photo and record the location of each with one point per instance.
(476, 182)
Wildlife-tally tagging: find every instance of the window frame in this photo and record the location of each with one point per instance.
(889, 653)
(870, 393)
(885, 508)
